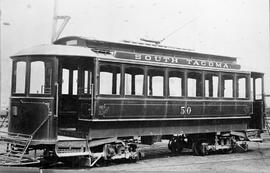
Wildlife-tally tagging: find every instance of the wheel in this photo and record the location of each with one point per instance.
(199, 148)
(175, 145)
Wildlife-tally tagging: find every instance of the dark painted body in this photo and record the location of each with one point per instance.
(100, 116)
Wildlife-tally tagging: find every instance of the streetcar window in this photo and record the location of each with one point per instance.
(134, 81)
(227, 81)
(155, 82)
(211, 84)
(258, 89)
(75, 82)
(20, 77)
(242, 87)
(65, 81)
(176, 83)
(194, 84)
(87, 81)
(37, 77)
(110, 76)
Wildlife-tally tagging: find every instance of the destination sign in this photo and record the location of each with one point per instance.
(176, 60)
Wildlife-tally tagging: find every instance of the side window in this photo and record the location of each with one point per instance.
(258, 89)
(110, 76)
(242, 87)
(37, 77)
(87, 78)
(155, 82)
(211, 84)
(194, 84)
(75, 82)
(176, 83)
(20, 77)
(65, 81)
(134, 78)
(227, 88)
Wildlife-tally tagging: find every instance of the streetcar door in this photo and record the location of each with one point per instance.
(68, 95)
(257, 118)
(75, 87)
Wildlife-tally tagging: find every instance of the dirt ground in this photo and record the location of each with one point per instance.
(159, 158)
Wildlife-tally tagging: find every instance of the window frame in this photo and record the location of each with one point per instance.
(219, 85)
(164, 81)
(233, 86)
(29, 59)
(247, 85)
(202, 82)
(184, 82)
(124, 80)
(120, 65)
(14, 77)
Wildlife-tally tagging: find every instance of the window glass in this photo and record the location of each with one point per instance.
(155, 82)
(65, 81)
(86, 84)
(242, 87)
(176, 83)
(48, 78)
(227, 85)
(194, 84)
(258, 88)
(20, 77)
(211, 85)
(109, 79)
(134, 81)
(75, 82)
(37, 77)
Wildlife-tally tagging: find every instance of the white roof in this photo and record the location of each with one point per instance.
(58, 50)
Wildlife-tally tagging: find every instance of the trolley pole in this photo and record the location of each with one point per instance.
(54, 21)
(56, 31)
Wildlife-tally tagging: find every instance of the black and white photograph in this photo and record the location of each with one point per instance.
(134, 86)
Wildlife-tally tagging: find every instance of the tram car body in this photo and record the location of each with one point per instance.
(97, 90)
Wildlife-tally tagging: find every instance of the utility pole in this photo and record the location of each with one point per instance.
(0, 55)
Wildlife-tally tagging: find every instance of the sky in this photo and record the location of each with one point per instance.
(237, 28)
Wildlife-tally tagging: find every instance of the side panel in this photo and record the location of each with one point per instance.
(130, 117)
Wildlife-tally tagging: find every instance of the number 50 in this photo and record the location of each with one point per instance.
(185, 110)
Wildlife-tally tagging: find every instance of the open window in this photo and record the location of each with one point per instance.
(155, 82)
(134, 81)
(194, 84)
(227, 85)
(110, 76)
(176, 83)
(211, 83)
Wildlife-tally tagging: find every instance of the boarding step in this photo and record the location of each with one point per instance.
(16, 146)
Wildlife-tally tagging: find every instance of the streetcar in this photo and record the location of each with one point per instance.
(85, 100)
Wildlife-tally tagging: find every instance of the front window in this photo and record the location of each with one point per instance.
(39, 74)
(40, 77)
(20, 72)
